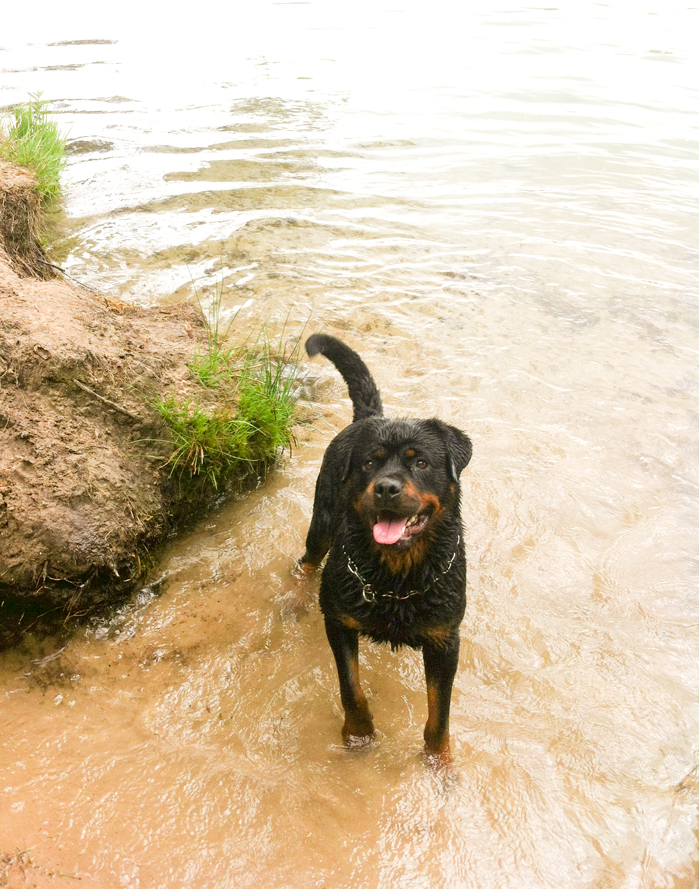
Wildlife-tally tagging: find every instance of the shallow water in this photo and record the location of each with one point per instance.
(498, 209)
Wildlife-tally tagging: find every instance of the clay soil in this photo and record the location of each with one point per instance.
(85, 492)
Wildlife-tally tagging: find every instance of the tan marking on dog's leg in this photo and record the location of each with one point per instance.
(350, 622)
(435, 744)
(441, 662)
(358, 727)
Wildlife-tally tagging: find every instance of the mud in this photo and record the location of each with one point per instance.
(85, 489)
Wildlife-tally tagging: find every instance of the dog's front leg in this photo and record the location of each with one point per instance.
(359, 726)
(318, 542)
(441, 662)
(320, 532)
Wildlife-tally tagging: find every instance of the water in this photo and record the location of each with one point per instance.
(498, 208)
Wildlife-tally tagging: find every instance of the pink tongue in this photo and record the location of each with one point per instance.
(389, 531)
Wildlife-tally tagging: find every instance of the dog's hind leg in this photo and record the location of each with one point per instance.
(441, 662)
(359, 726)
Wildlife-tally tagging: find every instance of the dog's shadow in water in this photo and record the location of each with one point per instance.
(298, 595)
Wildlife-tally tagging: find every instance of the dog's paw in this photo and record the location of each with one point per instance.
(358, 730)
(295, 602)
(444, 769)
(303, 570)
(360, 742)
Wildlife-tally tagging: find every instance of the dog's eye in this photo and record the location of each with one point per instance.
(421, 464)
(367, 465)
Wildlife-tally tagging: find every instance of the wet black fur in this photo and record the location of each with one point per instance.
(429, 620)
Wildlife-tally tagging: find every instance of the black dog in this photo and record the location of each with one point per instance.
(387, 507)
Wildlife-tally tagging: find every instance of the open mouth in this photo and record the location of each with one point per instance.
(390, 529)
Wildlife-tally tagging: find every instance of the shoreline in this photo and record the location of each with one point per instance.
(86, 494)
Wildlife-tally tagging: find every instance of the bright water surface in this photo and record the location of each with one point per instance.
(498, 208)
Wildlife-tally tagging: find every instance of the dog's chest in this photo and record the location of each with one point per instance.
(399, 611)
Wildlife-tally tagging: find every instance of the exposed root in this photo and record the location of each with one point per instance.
(20, 219)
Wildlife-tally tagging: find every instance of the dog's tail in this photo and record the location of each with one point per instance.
(362, 388)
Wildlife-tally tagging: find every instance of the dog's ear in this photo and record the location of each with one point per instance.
(348, 440)
(458, 444)
(346, 463)
(344, 444)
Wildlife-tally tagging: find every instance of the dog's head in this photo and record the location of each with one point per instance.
(402, 480)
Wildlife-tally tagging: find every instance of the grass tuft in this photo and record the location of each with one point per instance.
(246, 420)
(31, 139)
(212, 442)
(215, 363)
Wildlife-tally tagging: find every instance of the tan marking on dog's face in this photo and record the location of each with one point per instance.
(364, 504)
(411, 497)
(410, 489)
(427, 499)
(424, 498)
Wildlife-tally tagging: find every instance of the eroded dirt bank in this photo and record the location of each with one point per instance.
(81, 498)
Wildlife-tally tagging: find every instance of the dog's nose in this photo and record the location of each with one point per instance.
(387, 489)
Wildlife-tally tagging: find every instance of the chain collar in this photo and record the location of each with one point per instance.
(369, 594)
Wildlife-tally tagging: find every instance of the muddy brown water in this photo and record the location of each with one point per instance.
(504, 225)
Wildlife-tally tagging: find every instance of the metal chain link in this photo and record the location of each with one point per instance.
(370, 595)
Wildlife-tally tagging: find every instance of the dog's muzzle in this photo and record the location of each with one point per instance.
(387, 491)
